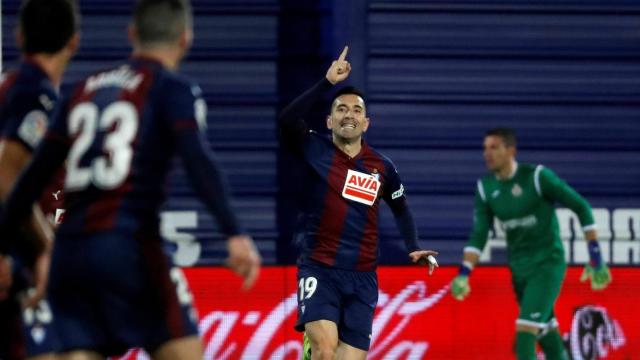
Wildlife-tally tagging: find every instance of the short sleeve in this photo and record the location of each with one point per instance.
(27, 117)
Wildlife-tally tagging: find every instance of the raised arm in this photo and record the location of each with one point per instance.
(291, 121)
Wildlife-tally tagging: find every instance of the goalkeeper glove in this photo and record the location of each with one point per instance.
(596, 270)
(460, 285)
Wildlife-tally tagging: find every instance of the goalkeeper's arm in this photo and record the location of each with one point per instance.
(596, 270)
(482, 220)
(460, 287)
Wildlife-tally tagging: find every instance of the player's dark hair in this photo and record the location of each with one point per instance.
(47, 25)
(161, 21)
(507, 135)
(348, 90)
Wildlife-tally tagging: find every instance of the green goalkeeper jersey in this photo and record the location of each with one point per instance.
(524, 205)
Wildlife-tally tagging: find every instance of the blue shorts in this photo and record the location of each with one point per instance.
(113, 291)
(346, 297)
(25, 333)
(38, 330)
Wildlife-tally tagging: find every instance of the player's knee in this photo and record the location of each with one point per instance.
(323, 353)
(323, 348)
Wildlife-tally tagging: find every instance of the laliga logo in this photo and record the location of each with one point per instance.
(594, 333)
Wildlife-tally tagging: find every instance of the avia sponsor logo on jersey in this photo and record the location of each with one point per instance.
(361, 187)
(525, 222)
(122, 77)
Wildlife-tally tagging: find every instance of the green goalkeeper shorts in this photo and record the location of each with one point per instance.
(538, 291)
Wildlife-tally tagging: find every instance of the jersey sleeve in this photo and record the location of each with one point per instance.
(552, 187)
(482, 221)
(58, 128)
(293, 129)
(395, 197)
(185, 111)
(27, 117)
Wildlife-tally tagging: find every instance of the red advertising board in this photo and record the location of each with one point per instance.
(416, 316)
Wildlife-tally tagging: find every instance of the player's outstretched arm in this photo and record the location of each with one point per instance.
(425, 257)
(211, 186)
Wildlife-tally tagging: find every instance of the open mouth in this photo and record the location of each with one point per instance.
(348, 126)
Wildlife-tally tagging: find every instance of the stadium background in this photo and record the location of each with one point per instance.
(564, 74)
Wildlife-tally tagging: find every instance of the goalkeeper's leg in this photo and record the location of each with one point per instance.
(551, 342)
(538, 294)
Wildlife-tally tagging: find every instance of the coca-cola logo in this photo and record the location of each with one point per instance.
(224, 332)
(593, 334)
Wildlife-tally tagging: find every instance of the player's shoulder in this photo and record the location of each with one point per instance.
(534, 171)
(180, 84)
(386, 160)
(528, 169)
(22, 85)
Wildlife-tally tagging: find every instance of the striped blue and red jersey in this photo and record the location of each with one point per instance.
(342, 194)
(27, 100)
(119, 131)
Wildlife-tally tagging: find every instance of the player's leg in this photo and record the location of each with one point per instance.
(525, 333)
(150, 305)
(551, 342)
(80, 355)
(184, 348)
(348, 352)
(306, 347)
(44, 357)
(539, 295)
(323, 338)
(359, 304)
(319, 300)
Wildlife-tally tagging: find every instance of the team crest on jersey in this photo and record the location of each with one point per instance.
(516, 190)
(375, 174)
(361, 187)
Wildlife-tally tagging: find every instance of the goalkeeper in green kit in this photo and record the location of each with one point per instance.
(522, 197)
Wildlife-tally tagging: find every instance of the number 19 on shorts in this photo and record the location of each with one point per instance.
(307, 287)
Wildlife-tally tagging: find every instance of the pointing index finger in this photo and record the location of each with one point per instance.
(343, 55)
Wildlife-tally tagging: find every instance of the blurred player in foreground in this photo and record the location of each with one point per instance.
(47, 36)
(522, 197)
(111, 285)
(345, 181)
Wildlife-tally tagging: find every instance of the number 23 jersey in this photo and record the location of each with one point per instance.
(121, 126)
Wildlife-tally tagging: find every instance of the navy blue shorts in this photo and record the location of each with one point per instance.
(113, 291)
(25, 333)
(348, 298)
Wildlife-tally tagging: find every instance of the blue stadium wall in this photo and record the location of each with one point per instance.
(438, 74)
